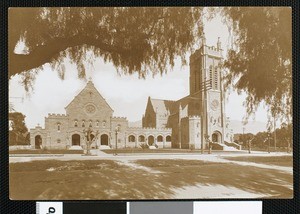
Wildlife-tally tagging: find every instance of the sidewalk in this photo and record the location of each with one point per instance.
(214, 157)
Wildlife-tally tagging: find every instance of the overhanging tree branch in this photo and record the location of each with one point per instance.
(45, 53)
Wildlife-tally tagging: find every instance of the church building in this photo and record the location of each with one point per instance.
(198, 118)
(190, 122)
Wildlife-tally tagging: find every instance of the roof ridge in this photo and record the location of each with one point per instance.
(162, 99)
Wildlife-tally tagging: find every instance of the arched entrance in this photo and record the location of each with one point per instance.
(104, 139)
(216, 137)
(38, 142)
(131, 138)
(75, 140)
(150, 140)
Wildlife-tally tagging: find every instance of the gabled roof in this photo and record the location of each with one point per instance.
(90, 86)
(170, 107)
(163, 107)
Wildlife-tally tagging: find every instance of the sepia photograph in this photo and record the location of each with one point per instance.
(150, 103)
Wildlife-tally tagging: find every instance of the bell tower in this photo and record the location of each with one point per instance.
(206, 84)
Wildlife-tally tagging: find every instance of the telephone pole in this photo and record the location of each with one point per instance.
(274, 134)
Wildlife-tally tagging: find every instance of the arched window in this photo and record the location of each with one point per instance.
(198, 124)
(90, 124)
(216, 79)
(150, 140)
(168, 138)
(159, 138)
(83, 123)
(58, 127)
(75, 123)
(141, 138)
(104, 123)
(131, 138)
(97, 123)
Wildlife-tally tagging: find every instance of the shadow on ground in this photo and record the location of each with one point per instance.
(178, 173)
(108, 180)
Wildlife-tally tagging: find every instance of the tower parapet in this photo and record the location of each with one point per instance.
(149, 129)
(63, 116)
(119, 118)
(194, 117)
(212, 51)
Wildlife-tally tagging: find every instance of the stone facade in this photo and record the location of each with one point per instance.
(185, 123)
(90, 110)
(202, 113)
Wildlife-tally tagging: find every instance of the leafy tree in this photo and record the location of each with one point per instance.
(260, 61)
(149, 39)
(245, 138)
(133, 39)
(260, 140)
(18, 135)
(284, 135)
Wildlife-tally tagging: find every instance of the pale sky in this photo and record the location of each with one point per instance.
(127, 95)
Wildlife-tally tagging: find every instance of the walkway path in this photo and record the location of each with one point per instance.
(127, 159)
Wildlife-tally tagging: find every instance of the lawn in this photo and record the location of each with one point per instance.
(109, 180)
(248, 178)
(274, 160)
